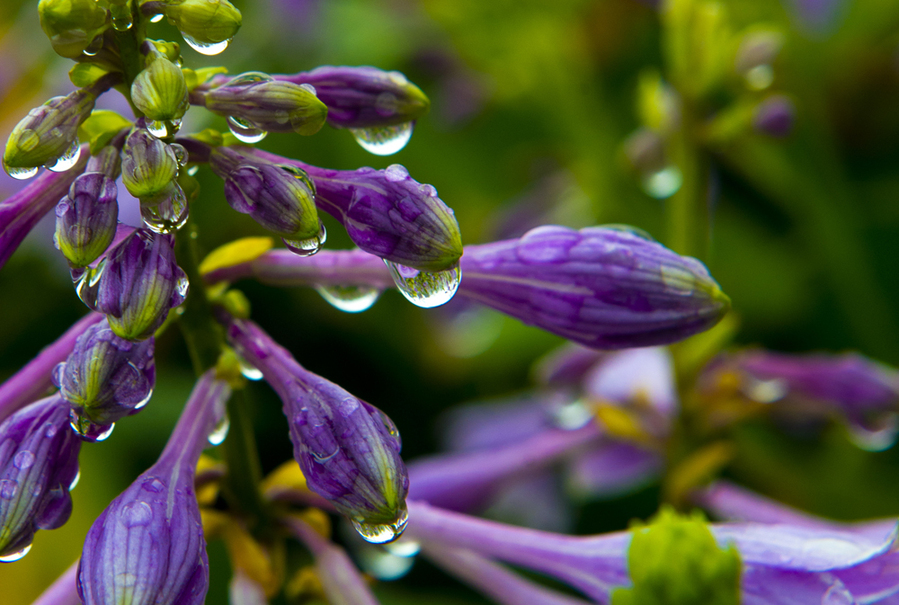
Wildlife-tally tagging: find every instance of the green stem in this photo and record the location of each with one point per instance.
(688, 209)
(129, 42)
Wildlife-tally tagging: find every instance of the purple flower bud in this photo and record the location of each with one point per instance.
(364, 97)
(775, 116)
(348, 450)
(266, 104)
(148, 546)
(21, 212)
(601, 287)
(140, 283)
(86, 218)
(48, 131)
(280, 197)
(38, 464)
(106, 377)
(148, 165)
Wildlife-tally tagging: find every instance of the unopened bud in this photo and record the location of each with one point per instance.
(86, 218)
(148, 165)
(204, 22)
(71, 25)
(159, 91)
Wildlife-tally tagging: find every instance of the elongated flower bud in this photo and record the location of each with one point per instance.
(106, 377)
(204, 22)
(347, 449)
(267, 104)
(279, 197)
(71, 25)
(48, 131)
(86, 218)
(147, 547)
(149, 166)
(38, 464)
(160, 91)
(364, 97)
(140, 283)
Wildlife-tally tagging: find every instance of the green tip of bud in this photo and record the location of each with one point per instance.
(205, 22)
(160, 91)
(676, 561)
(71, 25)
(48, 131)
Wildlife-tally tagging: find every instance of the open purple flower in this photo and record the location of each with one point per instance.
(147, 546)
(38, 466)
(348, 450)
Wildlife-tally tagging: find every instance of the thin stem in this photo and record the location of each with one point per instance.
(688, 209)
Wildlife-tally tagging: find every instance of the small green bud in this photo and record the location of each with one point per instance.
(71, 25)
(148, 165)
(48, 131)
(204, 23)
(159, 91)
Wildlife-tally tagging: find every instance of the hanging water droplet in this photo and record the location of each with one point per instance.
(245, 131)
(157, 129)
(248, 370)
(180, 154)
(220, 432)
(87, 283)
(385, 140)
(20, 173)
(67, 159)
(143, 402)
(75, 481)
(206, 48)
(156, 18)
(381, 534)
(87, 429)
(350, 299)
(662, 183)
(425, 289)
(121, 17)
(169, 215)
(15, 556)
(94, 47)
(307, 247)
(23, 460)
(8, 489)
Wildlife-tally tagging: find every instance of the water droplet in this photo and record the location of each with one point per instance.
(20, 173)
(169, 215)
(322, 458)
(94, 47)
(8, 489)
(154, 485)
(396, 173)
(299, 174)
(136, 514)
(182, 286)
(425, 289)
(220, 432)
(87, 283)
(350, 299)
(245, 131)
(307, 247)
(193, 170)
(381, 534)
(386, 140)
(404, 548)
(630, 229)
(156, 18)
(249, 77)
(759, 77)
(67, 159)
(143, 402)
(121, 17)
(206, 48)
(50, 430)
(157, 129)
(180, 154)
(875, 438)
(663, 183)
(23, 460)
(573, 415)
(838, 594)
(310, 88)
(87, 429)
(15, 556)
(249, 371)
(75, 480)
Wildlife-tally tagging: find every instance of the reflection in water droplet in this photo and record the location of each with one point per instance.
(136, 514)
(245, 131)
(157, 129)
(15, 556)
(206, 48)
(876, 438)
(87, 282)
(87, 429)
(67, 159)
(220, 432)
(350, 299)
(8, 489)
(156, 18)
(249, 371)
(381, 534)
(75, 481)
(20, 173)
(307, 247)
(94, 47)
(169, 215)
(425, 289)
(386, 140)
(180, 154)
(121, 16)
(663, 183)
(23, 460)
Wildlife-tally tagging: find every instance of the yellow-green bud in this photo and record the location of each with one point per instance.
(71, 25)
(204, 22)
(48, 131)
(159, 91)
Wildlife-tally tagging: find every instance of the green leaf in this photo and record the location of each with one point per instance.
(100, 127)
(83, 75)
(675, 561)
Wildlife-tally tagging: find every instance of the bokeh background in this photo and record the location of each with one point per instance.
(532, 103)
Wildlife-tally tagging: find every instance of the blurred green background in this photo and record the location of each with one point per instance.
(532, 102)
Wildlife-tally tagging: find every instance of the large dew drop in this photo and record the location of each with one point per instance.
(245, 131)
(68, 159)
(381, 534)
(350, 299)
(15, 556)
(307, 247)
(220, 432)
(425, 289)
(87, 429)
(206, 48)
(121, 17)
(87, 282)
(383, 141)
(167, 216)
(20, 174)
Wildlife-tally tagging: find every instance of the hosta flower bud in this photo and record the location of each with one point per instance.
(86, 218)
(204, 22)
(267, 104)
(160, 91)
(140, 283)
(48, 131)
(106, 377)
(71, 25)
(279, 197)
(38, 464)
(348, 450)
(147, 546)
(364, 97)
(602, 287)
(148, 165)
